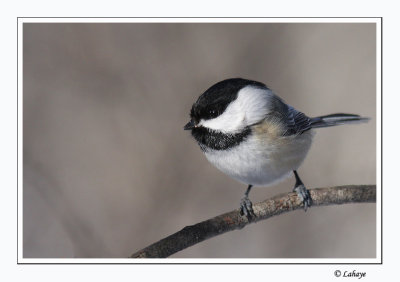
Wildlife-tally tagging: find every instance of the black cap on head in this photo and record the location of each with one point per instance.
(216, 99)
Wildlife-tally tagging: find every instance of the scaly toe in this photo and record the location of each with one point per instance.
(246, 208)
(304, 196)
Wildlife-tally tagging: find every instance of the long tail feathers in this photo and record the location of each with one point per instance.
(336, 119)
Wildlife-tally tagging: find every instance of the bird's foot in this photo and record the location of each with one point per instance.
(246, 208)
(304, 195)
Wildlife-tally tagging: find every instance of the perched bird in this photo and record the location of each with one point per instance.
(252, 135)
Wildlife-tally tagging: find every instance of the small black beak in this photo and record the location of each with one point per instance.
(189, 125)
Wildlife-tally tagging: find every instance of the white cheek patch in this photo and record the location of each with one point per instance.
(249, 108)
(232, 120)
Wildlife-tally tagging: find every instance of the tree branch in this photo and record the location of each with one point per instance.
(193, 234)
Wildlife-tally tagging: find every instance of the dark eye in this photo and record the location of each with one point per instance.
(212, 113)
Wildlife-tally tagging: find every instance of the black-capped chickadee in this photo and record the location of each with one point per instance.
(252, 135)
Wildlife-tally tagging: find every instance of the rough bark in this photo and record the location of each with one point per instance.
(193, 234)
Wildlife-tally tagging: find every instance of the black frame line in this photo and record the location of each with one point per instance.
(210, 263)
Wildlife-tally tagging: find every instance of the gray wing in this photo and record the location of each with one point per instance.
(296, 122)
(292, 121)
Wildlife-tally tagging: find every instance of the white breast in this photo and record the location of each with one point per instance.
(261, 161)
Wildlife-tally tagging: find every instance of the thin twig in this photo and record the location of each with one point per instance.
(193, 234)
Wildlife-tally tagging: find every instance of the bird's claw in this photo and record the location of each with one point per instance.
(304, 195)
(246, 208)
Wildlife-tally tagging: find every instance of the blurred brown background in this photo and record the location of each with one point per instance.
(109, 170)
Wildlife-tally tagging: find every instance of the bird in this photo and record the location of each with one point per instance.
(248, 132)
